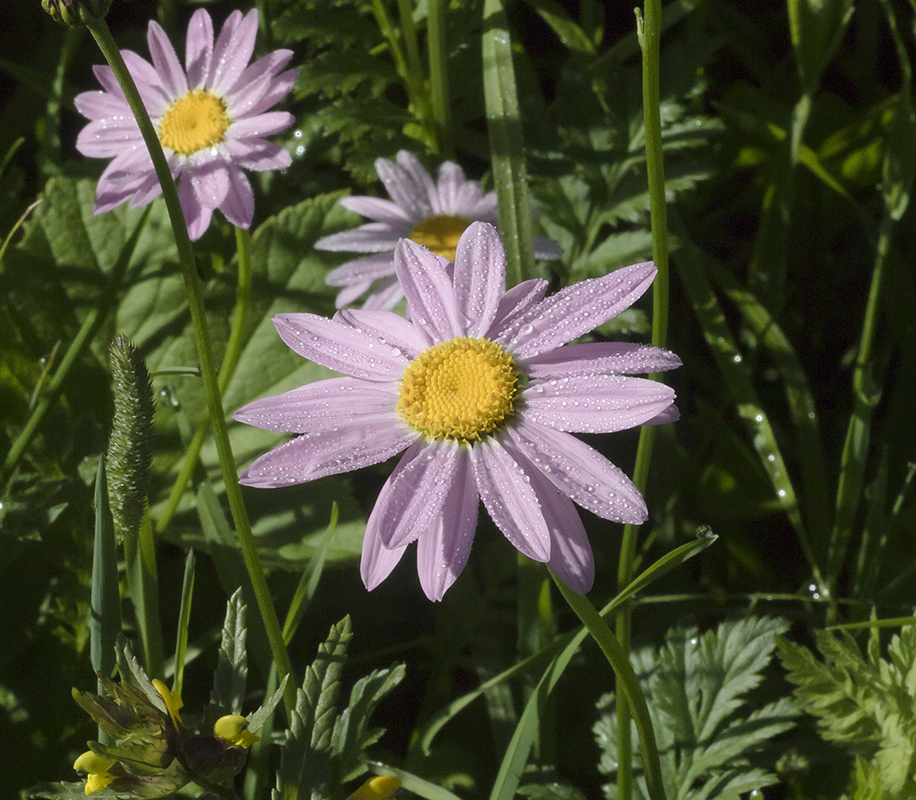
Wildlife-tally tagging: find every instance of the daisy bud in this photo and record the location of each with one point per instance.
(130, 449)
(69, 12)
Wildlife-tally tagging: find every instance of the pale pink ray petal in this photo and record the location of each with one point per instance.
(281, 86)
(210, 182)
(199, 48)
(429, 292)
(196, 216)
(105, 76)
(373, 237)
(379, 210)
(246, 96)
(149, 85)
(515, 302)
(417, 490)
(508, 497)
(110, 195)
(479, 276)
(265, 124)
(577, 309)
(321, 406)
(443, 550)
(147, 191)
(386, 295)
(588, 359)
(238, 207)
(166, 62)
(450, 182)
(595, 403)
(350, 294)
(106, 138)
(266, 67)
(128, 165)
(580, 472)
(368, 268)
(316, 455)
(232, 52)
(391, 329)
(339, 346)
(257, 154)
(98, 105)
(377, 561)
(670, 414)
(408, 184)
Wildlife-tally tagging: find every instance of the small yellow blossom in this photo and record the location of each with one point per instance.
(173, 701)
(234, 729)
(96, 768)
(381, 787)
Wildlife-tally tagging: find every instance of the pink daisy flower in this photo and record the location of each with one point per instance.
(432, 214)
(482, 391)
(210, 117)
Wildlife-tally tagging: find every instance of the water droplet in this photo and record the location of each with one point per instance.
(736, 358)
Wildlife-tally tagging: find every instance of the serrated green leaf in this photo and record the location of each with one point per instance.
(231, 676)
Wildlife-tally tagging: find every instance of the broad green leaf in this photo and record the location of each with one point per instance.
(231, 676)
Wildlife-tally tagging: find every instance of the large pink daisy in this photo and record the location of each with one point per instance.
(211, 118)
(483, 392)
(431, 213)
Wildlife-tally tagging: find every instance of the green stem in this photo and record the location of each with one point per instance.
(112, 55)
(226, 371)
(438, 78)
(627, 686)
(649, 34)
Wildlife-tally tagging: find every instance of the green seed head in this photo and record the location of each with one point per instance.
(72, 12)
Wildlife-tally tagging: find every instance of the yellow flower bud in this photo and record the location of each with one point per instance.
(234, 729)
(381, 787)
(173, 701)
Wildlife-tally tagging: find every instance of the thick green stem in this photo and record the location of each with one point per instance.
(649, 32)
(438, 78)
(112, 55)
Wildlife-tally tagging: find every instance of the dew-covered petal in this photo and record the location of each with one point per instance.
(238, 207)
(210, 182)
(166, 61)
(107, 138)
(479, 276)
(340, 347)
(408, 184)
(515, 302)
(98, 105)
(358, 444)
(196, 216)
(670, 414)
(257, 154)
(266, 124)
(390, 329)
(417, 490)
(152, 93)
(453, 190)
(109, 194)
(232, 51)
(379, 210)
(577, 309)
(199, 48)
(279, 87)
(580, 472)
(130, 163)
(587, 359)
(262, 72)
(368, 268)
(373, 237)
(386, 295)
(570, 552)
(147, 191)
(443, 550)
(429, 292)
(321, 406)
(595, 403)
(105, 76)
(510, 500)
(377, 561)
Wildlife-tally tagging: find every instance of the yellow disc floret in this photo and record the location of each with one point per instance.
(440, 233)
(193, 122)
(460, 389)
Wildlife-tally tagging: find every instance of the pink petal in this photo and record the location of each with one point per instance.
(280, 86)
(166, 62)
(360, 270)
(247, 95)
(262, 72)
(580, 472)
(196, 216)
(377, 561)
(670, 414)
(210, 182)
(129, 164)
(443, 550)
(316, 455)
(238, 207)
(595, 403)
(153, 94)
(515, 302)
(390, 329)
(429, 292)
(417, 490)
(480, 276)
(340, 347)
(109, 195)
(386, 296)
(320, 406)
(588, 359)
(232, 51)
(408, 184)
(261, 125)
(105, 75)
(100, 105)
(199, 48)
(379, 210)
(148, 190)
(351, 293)
(106, 138)
(257, 154)
(450, 189)
(508, 497)
(373, 237)
(576, 309)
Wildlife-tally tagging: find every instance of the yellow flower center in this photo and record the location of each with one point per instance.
(440, 233)
(461, 389)
(194, 122)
